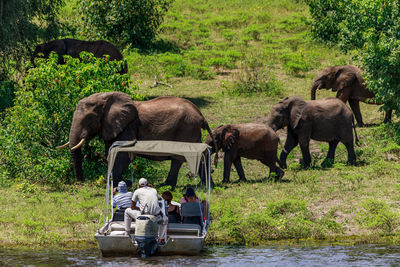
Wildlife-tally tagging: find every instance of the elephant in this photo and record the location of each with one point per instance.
(116, 117)
(249, 140)
(73, 48)
(328, 120)
(349, 85)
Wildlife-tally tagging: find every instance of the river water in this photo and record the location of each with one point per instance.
(360, 255)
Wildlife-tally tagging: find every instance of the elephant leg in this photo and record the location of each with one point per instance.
(351, 159)
(239, 168)
(332, 149)
(203, 172)
(331, 154)
(273, 168)
(306, 154)
(173, 172)
(227, 166)
(388, 116)
(122, 162)
(355, 107)
(291, 142)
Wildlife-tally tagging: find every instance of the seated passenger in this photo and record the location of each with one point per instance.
(189, 192)
(192, 210)
(122, 200)
(148, 198)
(174, 214)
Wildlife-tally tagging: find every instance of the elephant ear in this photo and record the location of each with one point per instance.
(343, 78)
(119, 112)
(229, 137)
(297, 106)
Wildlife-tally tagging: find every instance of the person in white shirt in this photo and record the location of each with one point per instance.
(148, 204)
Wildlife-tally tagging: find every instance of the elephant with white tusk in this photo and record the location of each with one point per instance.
(116, 117)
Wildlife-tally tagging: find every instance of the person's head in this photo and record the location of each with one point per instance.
(142, 182)
(167, 195)
(190, 194)
(122, 188)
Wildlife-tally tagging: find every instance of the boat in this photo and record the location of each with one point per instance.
(168, 238)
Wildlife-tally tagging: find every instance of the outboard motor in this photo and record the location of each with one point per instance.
(146, 234)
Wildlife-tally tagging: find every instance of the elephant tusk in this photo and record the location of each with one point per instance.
(64, 145)
(78, 145)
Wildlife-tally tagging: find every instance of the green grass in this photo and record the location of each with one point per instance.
(205, 49)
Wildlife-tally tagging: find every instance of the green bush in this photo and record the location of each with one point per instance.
(42, 113)
(126, 22)
(6, 94)
(371, 27)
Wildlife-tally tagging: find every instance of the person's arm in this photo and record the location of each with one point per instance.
(133, 206)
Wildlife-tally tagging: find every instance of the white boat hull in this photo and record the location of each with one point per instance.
(186, 241)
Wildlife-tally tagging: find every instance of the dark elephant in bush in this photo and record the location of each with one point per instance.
(250, 140)
(73, 48)
(349, 85)
(328, 120)
(116, 117)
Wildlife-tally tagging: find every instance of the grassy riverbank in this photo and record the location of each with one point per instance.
(210, 51)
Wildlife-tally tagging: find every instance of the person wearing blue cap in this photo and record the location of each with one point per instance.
(123, 198)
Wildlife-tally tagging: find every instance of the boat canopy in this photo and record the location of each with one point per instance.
(189, 152)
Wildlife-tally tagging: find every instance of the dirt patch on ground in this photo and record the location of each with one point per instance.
(330, 208)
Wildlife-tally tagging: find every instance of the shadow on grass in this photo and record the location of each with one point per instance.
(200, 101)
(160, 46)
(369, 125)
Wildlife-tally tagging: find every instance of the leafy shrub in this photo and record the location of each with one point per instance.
(41, 116)
(174, 65)
(296, 63)
(6, 94)
(254, 31)
(371, 27)
(326, 18)
(127, 22)
(23, 22)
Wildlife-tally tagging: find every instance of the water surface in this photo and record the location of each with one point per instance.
(360, 255)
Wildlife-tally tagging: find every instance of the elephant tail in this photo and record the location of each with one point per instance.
(357, 141)
(280, 163)
(207, 127)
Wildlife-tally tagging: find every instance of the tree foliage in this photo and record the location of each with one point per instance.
(22, 23)
(124, 22)
(41, 117)
(373, 28)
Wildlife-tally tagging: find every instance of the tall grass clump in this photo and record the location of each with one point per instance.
(42, 113)
(255, 77)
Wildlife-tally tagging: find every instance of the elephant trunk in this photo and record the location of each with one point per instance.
(76, 156)
(314, 89)
(75, 146)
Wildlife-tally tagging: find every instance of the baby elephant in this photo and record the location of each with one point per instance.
(328, 120)
(250, 140)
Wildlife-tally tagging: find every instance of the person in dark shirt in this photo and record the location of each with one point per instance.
(174, 215)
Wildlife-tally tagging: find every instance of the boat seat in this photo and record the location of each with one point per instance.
(192, 213)
(183, 229)
(120, 226)
(115, 233)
